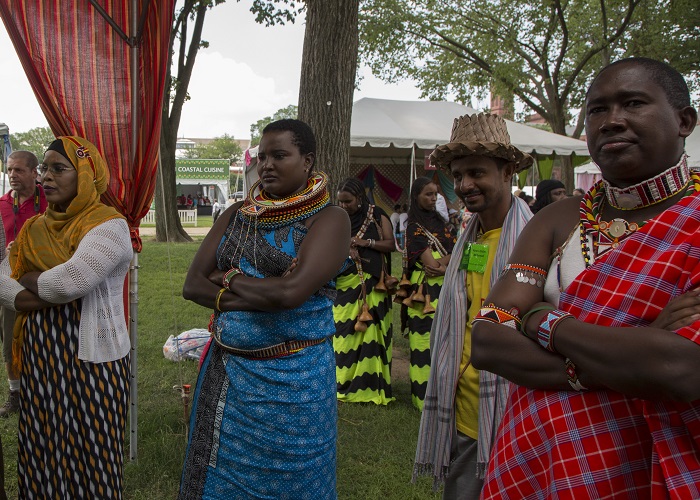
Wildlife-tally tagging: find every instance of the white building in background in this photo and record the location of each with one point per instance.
(183, 145)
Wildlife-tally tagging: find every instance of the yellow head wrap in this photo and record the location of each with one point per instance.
(50, 239)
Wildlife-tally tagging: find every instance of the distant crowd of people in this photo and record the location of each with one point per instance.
(192, 202)
(554, 341)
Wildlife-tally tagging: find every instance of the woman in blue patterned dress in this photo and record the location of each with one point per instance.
(263, 424)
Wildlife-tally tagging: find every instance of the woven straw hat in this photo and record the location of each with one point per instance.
(480, 134)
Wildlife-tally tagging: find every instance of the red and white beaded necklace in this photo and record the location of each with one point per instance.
(651, 191)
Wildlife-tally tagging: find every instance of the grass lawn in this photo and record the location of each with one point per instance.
(376, 445)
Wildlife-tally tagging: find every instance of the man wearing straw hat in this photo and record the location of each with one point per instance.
(464, 406)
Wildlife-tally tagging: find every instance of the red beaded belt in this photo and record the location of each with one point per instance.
(274, 351)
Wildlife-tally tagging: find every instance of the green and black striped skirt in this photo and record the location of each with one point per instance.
(363, 359)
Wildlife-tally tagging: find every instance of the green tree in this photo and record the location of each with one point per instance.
(35, 140)
(256, 128)
(223, 147)
(545, 53)
(235, 183)
(669, 31)
(186, 39)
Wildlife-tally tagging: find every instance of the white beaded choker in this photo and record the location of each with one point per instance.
(650, 191)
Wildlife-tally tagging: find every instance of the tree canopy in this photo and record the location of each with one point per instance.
(223, 147)
(35, 140)
(256, 128)
(544, 53)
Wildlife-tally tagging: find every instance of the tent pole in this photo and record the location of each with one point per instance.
(133, 270)
(413, 167)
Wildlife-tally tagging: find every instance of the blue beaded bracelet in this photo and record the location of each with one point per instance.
(545, 332)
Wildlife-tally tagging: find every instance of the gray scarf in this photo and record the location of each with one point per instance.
(437, 424)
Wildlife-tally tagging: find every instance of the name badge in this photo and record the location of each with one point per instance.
(475, 257)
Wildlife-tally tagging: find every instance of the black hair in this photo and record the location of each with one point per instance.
(425, 218)
(662, 74)
(303, 135)
(543, 193)
(355, 187)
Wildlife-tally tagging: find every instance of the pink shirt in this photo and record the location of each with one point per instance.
(12, 221)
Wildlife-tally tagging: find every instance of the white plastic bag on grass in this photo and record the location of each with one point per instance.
(187, 345)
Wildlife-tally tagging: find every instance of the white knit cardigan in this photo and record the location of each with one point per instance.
(95, 273)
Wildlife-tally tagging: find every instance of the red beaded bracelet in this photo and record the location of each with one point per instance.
(228, 276)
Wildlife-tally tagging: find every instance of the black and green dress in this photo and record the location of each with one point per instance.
(419, 237)
(363, 359)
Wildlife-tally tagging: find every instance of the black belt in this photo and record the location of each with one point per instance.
(274, 351)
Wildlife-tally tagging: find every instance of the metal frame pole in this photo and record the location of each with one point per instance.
(133, 272)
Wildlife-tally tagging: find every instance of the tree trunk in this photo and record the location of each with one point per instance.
(328, 68)
(567, 166)
(567, 173)
(168, 226)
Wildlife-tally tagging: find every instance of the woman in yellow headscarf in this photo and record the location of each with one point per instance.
(65, 276)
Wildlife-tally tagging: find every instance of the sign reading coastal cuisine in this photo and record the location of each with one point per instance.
(202, 169)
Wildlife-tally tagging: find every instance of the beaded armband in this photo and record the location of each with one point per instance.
(545, 332)
(529, 275)
(498, 315)
(574, 381)
(229, 276)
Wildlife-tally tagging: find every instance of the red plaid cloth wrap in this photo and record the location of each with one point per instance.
(601, 444)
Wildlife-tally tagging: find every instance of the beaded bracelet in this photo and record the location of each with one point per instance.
(571, 374)
(228, 276)
(532, 311)
(495, 314)
(218, 299)
(545, 332)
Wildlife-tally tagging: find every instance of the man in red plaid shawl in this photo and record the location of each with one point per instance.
(607, 361)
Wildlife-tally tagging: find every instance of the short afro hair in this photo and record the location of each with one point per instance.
(303, 135)
(664, 75)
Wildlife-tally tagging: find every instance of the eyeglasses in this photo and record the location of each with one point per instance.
(56, 169)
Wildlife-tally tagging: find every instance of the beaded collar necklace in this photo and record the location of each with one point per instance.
(259, 211)
(266, 213)
(651, 191)
(608, 235)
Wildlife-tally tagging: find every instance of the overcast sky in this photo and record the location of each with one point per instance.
(247, 73)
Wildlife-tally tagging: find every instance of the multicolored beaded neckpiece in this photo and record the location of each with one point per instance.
(651, 191)
(608, 235)
(259, 211)
(267, 213)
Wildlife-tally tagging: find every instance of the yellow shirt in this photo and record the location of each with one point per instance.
(478, 287)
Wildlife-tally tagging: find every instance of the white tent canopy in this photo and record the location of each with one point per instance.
(383, 123)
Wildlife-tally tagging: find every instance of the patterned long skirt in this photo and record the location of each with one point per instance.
(263, 429)
(419, 324)
(363, 359)
(72, 413)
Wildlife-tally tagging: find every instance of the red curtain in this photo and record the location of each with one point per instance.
(80, 70)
